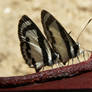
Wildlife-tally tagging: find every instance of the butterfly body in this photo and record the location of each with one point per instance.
(39, 51)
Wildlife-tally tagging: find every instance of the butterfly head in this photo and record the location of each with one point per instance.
(80, 49)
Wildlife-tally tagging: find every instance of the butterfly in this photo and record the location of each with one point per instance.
(38, 50)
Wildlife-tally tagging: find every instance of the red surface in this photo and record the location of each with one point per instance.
(62, 72)
(81, 82)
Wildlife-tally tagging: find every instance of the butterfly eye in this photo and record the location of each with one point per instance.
(27, 39)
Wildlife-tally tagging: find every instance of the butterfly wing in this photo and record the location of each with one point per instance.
(60, 40)
(34, 47)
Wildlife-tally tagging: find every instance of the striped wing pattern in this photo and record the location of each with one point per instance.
(34, 47)
(39, 51)
(60, 40)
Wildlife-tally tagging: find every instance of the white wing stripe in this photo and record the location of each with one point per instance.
(25, 24)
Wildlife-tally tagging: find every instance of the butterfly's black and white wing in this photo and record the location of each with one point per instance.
(60, 40)
(34, 47)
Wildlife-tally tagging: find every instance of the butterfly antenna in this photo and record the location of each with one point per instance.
(84, 29)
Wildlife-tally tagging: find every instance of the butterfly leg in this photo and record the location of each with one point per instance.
(72, 60)
(78, 59)
(88, 53)
(84, 55)
(67, 63)
(58, 61)
(43, 68)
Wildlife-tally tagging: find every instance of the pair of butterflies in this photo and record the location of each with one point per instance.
(39, 51)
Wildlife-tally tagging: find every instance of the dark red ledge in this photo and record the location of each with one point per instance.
(81, 81)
